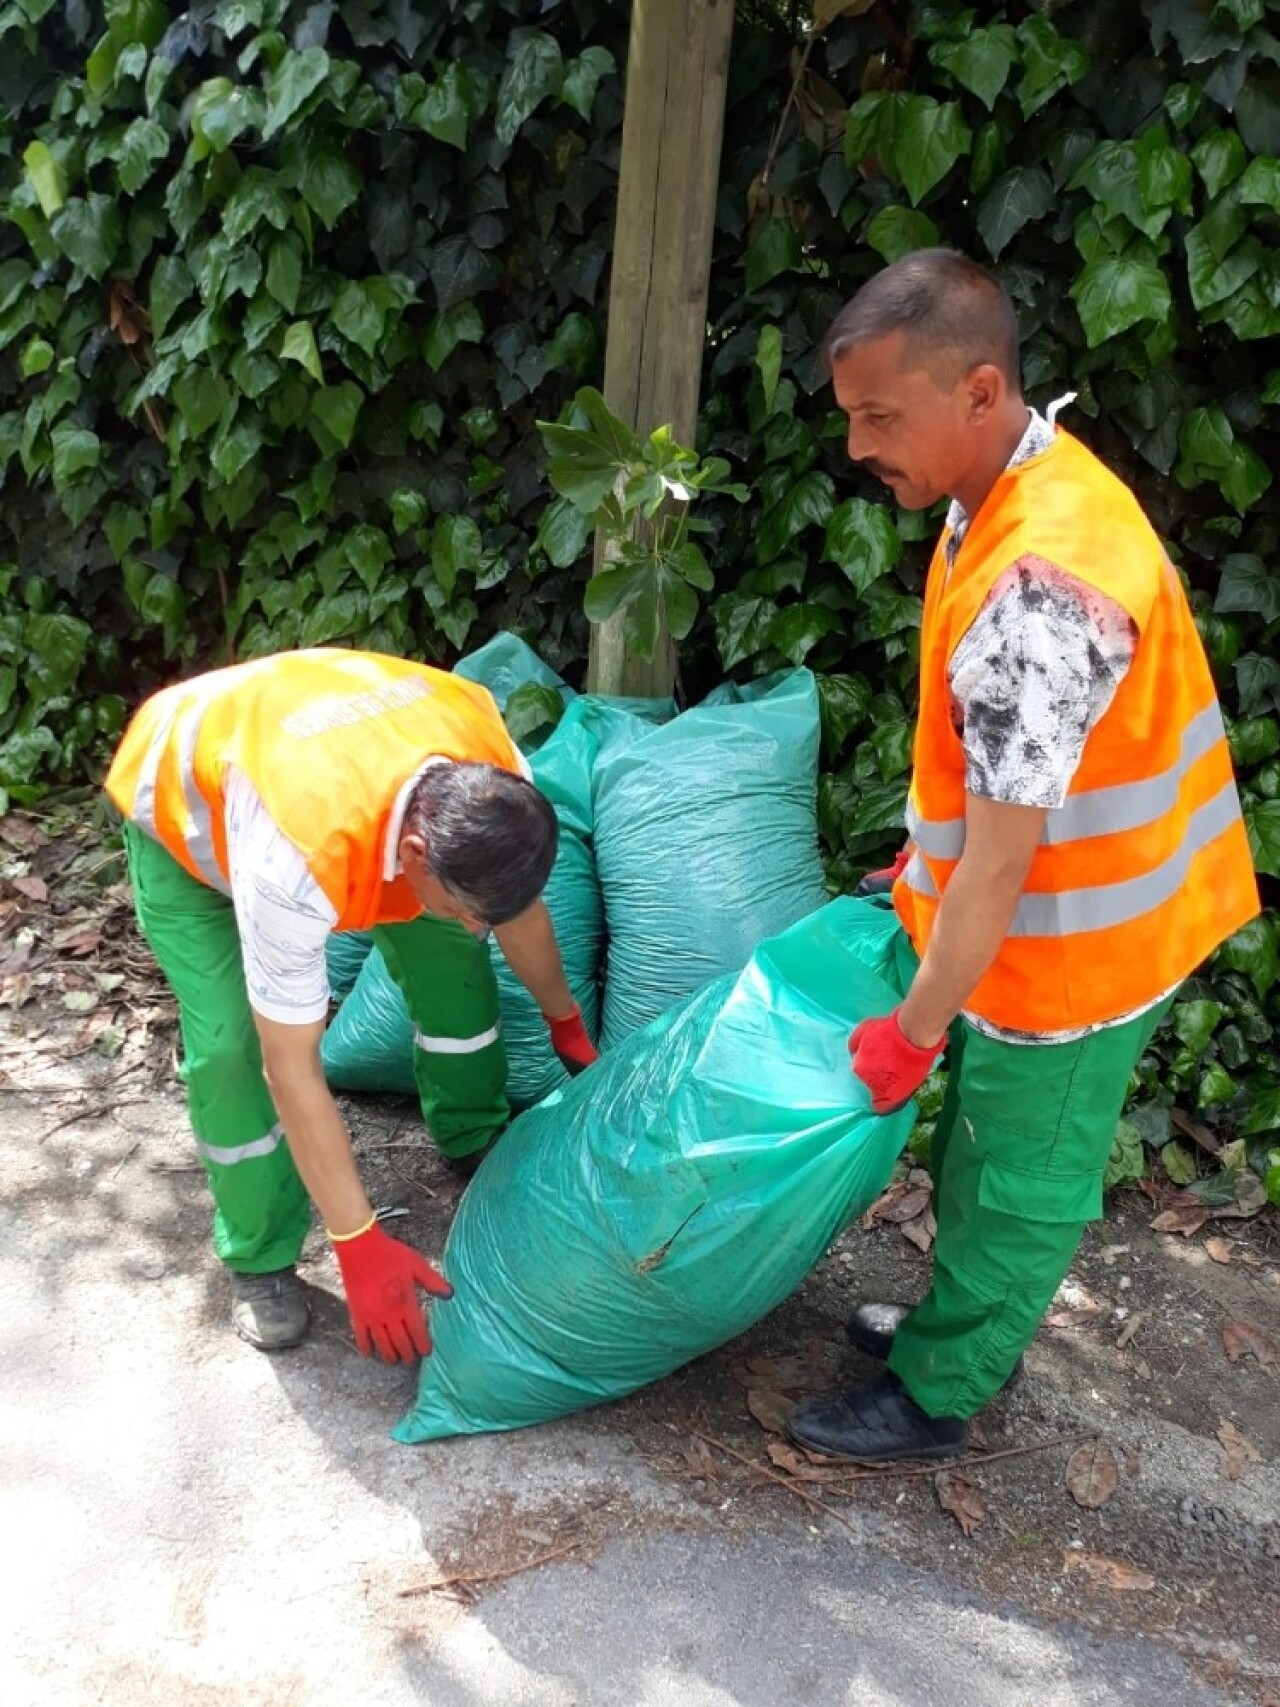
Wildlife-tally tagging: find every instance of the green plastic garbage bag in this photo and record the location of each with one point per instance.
(345, 953)
(706, 841)
(562, 770)
(663, 1201)
(368, 1045)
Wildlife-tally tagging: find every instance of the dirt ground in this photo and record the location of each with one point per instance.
(1158, 1361)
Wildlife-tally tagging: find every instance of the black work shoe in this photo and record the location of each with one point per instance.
(872, 1327)
(270, 1311)
(876, 1424)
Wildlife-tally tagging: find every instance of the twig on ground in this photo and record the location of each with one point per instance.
(90, 1114)
(129, 1152)
(409, 1180)
(787, 1482)
(469, 1579)
(1131, 1327)
(974, 1461)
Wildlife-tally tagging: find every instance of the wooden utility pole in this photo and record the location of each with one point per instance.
(673, 123)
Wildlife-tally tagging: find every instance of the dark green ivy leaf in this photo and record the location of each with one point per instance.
(1257, 683)
(1051, 62)
(291, 83)
(981, 62)
(563, 533)
(844, 702)
(143, 144)
(1116, 292)
(775, 249)
(929, 137)
(1018, 196)
(335, 407)
(460, 324)
(582, 78)
(534, 71)
(532, 707)
(88, 231)
(862, 541)
(442, 112)
(897, 230)
(1246, 584)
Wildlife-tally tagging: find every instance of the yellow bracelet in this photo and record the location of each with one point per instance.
(344, 1238)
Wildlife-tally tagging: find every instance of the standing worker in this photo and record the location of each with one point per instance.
(267, 805)
(1076, 846)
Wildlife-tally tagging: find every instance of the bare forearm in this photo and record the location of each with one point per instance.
(530, 949)
(973, 920)
(321, 1151)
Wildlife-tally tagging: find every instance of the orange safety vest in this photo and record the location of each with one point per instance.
(327, 738)
(1145, 868)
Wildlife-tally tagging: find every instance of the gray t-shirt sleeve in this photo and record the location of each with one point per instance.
(1032, 677)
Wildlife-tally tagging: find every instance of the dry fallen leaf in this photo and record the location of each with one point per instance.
(1198, 1134)
(1250, 1199)
(1238, 1455)
(1107, 1573)
(1183, 1218)
(770, 1408)
(917, 1232)
(961, 1497)
(699, 1459)
(1218, 1249)
(1240, 1339)
(21, 832)
(79, 1001)
(1072, 1318)
(1092, 1474)
(903, 1208)
(34, 888)
(793, 1373)
(800, 1464)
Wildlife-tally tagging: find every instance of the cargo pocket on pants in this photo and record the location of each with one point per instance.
(1026, 1230)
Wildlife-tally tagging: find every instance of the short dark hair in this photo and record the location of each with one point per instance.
(945, 304)
(491, 837)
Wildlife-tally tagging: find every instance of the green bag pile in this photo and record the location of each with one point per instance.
(666, 1199)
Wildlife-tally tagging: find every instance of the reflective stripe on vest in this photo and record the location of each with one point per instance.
(1072, 911)
(1095, 811)
(186, 713)
(197, 832)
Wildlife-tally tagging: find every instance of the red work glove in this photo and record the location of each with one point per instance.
(570, 1041)
(891, 1068)
(882, 881)
(381, 1277)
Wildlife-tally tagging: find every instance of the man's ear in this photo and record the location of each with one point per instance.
(413, 853)
(986, 387)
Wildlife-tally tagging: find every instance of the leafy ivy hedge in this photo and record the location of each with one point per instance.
(278, 286)
(284, 286)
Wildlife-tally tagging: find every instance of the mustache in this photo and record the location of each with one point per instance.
(883, 472)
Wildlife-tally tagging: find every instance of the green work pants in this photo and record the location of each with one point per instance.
(1019, 1151)
(261, 1209)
